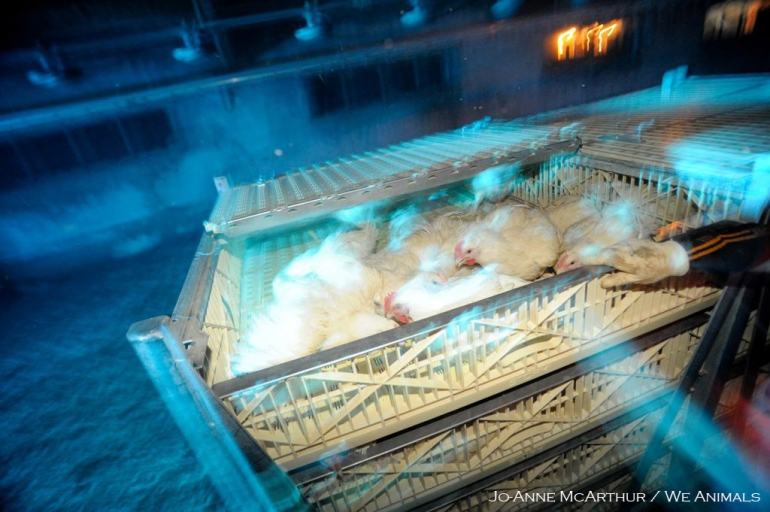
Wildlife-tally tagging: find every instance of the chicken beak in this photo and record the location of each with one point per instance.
(562, 264)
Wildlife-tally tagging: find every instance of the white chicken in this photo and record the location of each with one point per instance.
(519, 239)
(323, 298)
(355, 326)
(420, 243)
(282, 332)
(619, 221)
(287, 331)
(431, 293)
(567, 210)
(640, 261)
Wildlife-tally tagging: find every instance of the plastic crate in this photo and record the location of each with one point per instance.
(350, 396)
(453, 456)
(590, 465)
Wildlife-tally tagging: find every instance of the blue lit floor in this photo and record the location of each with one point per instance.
(82, 426)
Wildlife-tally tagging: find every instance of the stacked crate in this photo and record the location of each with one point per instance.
(552, 386)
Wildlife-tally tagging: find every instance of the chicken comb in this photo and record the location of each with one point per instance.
(389, 301)
(459, 250)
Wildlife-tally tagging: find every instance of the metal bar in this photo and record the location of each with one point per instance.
(721, 313)
(427, 158)
(412, 160)
(331, 173)
(304, 177)
(349, 176)
(125, 138)
(289, 186)
(709, 387)
(75, 147)
(754, 357)
(392, 165)
(451, 152)
(430, 149)
(254, 19)
(370, 171)
(458, 142)
(326, 180)
(191, 306)
(261, 221)
(201, 418)
(205, 11)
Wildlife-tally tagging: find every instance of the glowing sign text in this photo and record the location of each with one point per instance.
(563, 38)
(578, 42)
(609, 30)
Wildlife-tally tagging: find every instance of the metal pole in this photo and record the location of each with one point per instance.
(654, 448)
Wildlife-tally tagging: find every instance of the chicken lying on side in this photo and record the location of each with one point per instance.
(519, 239)
(618, 222)
(323, 298)
(424, 243)
(640, 261)
(429, 293)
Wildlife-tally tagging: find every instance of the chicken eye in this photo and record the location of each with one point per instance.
(468, 251)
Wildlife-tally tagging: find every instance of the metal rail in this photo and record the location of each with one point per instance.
(716, 350)
(245, 478)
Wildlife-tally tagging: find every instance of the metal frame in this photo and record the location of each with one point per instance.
(711, 362)
(192, 305)
(256, 396)
(184, 342)
(244, 476)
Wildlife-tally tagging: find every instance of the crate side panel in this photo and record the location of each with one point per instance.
(573, 470)
(222, 320)
(507, 435)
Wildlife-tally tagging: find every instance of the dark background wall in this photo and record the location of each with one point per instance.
(125, 147)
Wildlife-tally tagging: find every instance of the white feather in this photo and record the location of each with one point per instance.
(428, 294)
